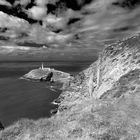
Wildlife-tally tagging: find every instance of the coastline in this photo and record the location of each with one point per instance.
(102, 115)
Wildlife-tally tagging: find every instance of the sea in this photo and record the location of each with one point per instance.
(27, 99)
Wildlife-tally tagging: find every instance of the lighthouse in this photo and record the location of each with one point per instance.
(42, 66)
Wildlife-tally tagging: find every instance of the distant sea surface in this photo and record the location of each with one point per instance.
(25, 99)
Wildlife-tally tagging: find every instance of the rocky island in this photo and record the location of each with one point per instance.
(48, 75)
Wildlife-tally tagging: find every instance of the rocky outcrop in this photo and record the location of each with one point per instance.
(47, 74)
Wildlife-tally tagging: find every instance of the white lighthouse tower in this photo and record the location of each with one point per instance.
(42, 66)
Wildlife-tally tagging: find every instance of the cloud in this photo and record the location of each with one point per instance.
(104, 21)
(110, 22)
(4, 50)
(42, 2)
(14, 48)
(22, 2)
(4, 2)
(99, 5)
(37, 12)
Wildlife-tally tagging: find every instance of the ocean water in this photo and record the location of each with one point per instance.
(25, 99)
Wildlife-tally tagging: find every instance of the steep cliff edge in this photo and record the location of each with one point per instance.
(115, 62)
(101, 103)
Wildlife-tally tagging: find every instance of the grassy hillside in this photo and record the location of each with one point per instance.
(101, 103)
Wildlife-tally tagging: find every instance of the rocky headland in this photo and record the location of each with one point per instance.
(100, 103)
(48, 75)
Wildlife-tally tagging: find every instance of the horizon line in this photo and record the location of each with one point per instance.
(46, 61)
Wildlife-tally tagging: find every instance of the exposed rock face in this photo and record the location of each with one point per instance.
(117, 60)
(103, 79)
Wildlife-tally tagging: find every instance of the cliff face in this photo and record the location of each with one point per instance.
(116, 61)
(101, 103)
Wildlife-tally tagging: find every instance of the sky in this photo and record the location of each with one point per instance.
(70, 30)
